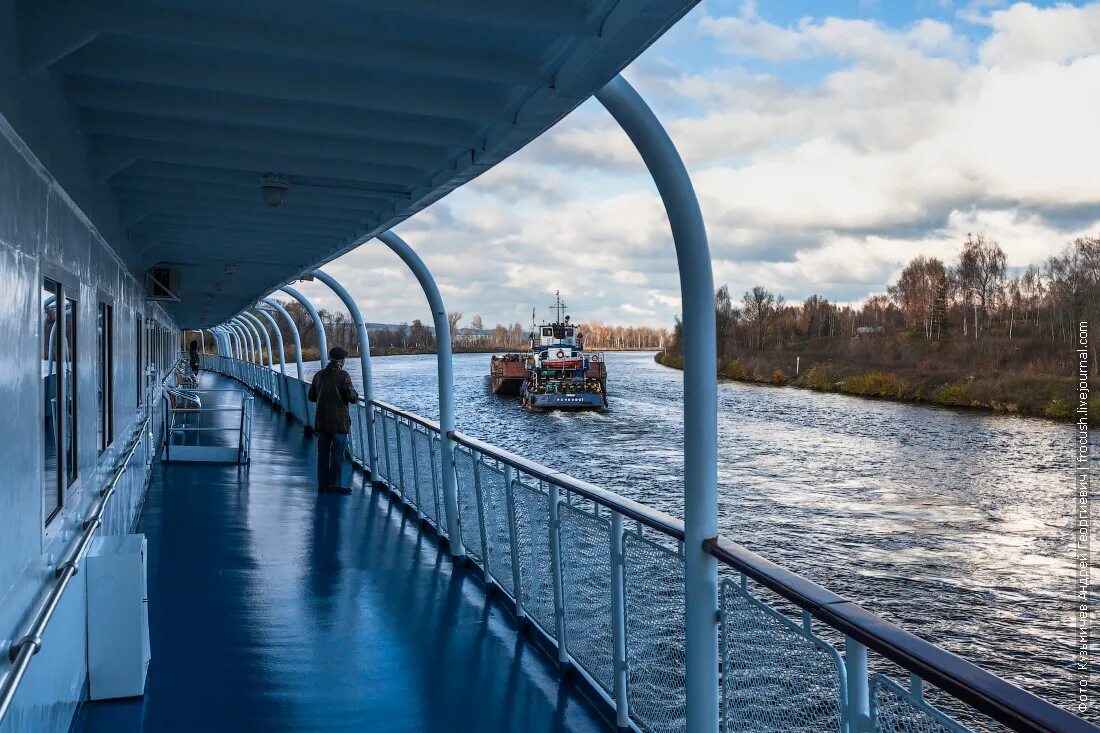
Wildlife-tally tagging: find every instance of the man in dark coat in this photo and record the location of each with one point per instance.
(332, 390)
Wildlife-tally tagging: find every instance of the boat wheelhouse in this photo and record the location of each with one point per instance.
(560, 374)
(165, 169)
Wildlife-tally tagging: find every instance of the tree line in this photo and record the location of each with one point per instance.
(340, 330)
(975, 297)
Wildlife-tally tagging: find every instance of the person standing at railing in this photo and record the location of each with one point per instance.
(193, 356)
(333, 391)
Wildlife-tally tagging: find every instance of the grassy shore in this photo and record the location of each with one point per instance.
(994, 375)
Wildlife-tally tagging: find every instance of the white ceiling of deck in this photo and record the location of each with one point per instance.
(369, 110)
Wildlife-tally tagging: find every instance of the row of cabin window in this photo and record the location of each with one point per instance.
(60, 385)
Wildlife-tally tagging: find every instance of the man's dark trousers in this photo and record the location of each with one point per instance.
(330, 460)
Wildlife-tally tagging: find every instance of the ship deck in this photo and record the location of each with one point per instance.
(275, 608)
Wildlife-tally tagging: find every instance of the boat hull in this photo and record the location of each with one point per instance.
(507, 375)
(563, 400)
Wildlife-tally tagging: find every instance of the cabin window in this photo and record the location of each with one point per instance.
(547, 332)
(569, 333)
(68, 391)
(104, 354)
(139, 377)
(51, 383)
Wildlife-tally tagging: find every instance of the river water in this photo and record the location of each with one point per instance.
(955, 525)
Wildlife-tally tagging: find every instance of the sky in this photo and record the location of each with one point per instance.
(829, 143)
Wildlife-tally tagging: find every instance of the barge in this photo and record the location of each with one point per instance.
(556, 374)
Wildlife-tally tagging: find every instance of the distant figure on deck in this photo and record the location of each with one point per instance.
(193, 356)
(332, 390)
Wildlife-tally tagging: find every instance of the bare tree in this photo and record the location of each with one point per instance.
(476, 322)
(918, 292)
(725, 317)
(758, 309)
(981, 272)
(452, 321)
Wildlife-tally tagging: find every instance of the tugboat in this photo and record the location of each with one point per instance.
(557, 374)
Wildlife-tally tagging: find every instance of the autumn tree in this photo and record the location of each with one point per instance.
(921, 293)
(452, 322)
(981, 272)
(758, 310)
(725, 317)
(419, 336)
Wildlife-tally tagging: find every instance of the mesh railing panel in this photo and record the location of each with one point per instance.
(353, 436)
(535, 572)
(776, 676)
(393, 477)
(586, 591)
(408, 473)
(426, 492)
(654, 592)
(380, 447)
(467, 503)
(497, 533)
(895, 710)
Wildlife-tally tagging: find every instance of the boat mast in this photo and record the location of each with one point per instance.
(558, 305)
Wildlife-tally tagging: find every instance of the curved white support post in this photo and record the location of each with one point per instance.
(261, 330)
(233, 340)
(293, 332)
(279, 334)
(322, 342)
(364, 362)
(246, 338)
(222, 341)
(445, 370)
(242, 342)
(700, 394)
(219, 336)
(255, 351)
(259, 354)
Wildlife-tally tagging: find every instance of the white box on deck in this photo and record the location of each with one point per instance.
(118, 617)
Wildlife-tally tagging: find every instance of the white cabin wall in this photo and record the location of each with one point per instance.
(41, 232)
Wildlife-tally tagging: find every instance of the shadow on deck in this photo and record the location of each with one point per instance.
(275, 608)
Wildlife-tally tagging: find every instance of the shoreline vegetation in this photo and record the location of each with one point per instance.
(1006, 393)
(313, 354)
(972, 333)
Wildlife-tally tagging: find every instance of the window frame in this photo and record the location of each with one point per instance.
(67, 289)
(72, 483)
(57, 293)
(105, 351)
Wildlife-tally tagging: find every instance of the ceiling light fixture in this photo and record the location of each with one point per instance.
(273, 186)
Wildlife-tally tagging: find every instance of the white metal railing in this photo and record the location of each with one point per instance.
(126, 482)
(601, 578)
(185, 431)
(129, 472)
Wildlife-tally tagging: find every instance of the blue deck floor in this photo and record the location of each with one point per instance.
(274, 608)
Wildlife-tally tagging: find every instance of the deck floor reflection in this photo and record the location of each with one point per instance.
(274, 608)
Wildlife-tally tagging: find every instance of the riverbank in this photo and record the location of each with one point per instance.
(314, 354)
(993, 389)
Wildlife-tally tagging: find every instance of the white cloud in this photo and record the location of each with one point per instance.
(906, 139)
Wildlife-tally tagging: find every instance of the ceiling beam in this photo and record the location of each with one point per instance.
(112, 155)
(259, 35)
(202, 105)
(231, 210)
(166, 190)
(260, 139)
(280, 78)
(566, 16)
(337, 188)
